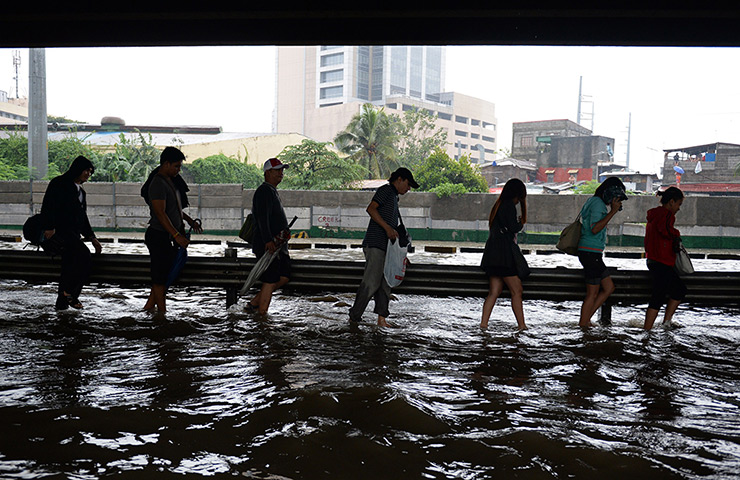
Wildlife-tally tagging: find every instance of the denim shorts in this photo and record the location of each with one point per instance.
(594, 268)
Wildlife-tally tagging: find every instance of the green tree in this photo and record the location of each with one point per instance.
(445, 176)
(314, 167)
(370, 140)
(13, 156)
(132, 160)
(417, 136)
(587, 188)
(63, 152)
(222, 169)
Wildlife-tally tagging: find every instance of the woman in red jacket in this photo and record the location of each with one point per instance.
(661, 243)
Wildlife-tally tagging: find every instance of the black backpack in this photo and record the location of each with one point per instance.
(33, 232)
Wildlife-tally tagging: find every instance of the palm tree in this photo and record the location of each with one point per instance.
(370, 140)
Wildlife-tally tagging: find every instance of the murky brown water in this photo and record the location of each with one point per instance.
(213, 392)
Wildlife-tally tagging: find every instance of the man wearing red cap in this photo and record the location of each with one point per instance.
(270, 221)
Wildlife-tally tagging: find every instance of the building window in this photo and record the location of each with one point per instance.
(329, 47)
(474, 122)
(490, 139)
(332, 76)
(333, 59)
(398, 70)
(527, 141)
(444, 116)
(433, 73)
(475, 135)
(416, 70)
(331, 92)
(460, 133)
(460, 119)
(489, 126)
(376, 88)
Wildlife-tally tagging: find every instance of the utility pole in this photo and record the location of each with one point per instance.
(38, 148)
(580, 96)
(581, 100)
(629, 133)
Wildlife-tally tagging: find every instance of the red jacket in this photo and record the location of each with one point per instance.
(659, 235)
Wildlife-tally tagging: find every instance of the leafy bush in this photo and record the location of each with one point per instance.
(314, 167)
(448, 176)
(222, 169)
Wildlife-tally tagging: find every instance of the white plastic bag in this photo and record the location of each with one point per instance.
(683, 262)
(395, 263)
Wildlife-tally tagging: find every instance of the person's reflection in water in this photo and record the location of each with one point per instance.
(654, 380)
(62, 381)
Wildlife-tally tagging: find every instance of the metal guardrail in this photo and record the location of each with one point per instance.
(715, 288)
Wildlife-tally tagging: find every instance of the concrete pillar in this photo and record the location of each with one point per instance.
(38, 148)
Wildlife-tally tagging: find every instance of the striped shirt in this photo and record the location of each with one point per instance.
(387, 199)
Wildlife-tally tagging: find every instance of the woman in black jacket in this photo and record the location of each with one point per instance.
(498, 259)
(64, 217)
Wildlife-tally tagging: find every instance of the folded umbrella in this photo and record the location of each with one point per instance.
(266, 259)
(180, 260)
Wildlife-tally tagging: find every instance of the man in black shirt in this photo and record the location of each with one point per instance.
(383, 211)
(270, 221)
(64, 217)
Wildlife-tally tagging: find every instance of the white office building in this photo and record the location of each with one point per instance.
(320, 88)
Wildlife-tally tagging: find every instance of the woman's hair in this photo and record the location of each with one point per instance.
(514, 188)
(670, 193)
(609, 182)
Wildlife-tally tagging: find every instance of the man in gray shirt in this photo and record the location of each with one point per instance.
(165, 193)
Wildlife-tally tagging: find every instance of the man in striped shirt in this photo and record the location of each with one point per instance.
(383, 211)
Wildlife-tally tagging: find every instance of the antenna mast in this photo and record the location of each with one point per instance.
(17, 66)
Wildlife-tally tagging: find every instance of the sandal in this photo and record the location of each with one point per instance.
(64, 301)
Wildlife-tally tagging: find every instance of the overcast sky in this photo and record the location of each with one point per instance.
(677, 96)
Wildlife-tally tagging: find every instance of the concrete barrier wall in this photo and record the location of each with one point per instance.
(223, 208)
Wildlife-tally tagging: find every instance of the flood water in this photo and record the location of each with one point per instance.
(211, 392)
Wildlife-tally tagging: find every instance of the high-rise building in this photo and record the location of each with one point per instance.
(320, 88)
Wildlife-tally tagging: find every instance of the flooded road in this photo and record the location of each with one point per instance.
(211, 392)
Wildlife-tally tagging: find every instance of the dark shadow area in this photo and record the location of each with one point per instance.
(506, 23)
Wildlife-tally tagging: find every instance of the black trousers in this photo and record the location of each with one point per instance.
(665, 282)
(162, 254)
(76, 265)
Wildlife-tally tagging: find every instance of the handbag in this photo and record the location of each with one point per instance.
(394, 269)
(683, 263)
(247, 231)
(522, 267)
(403, 236)
(569, 237)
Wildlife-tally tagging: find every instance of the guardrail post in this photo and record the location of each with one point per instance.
(230, 291)
(606, 313)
